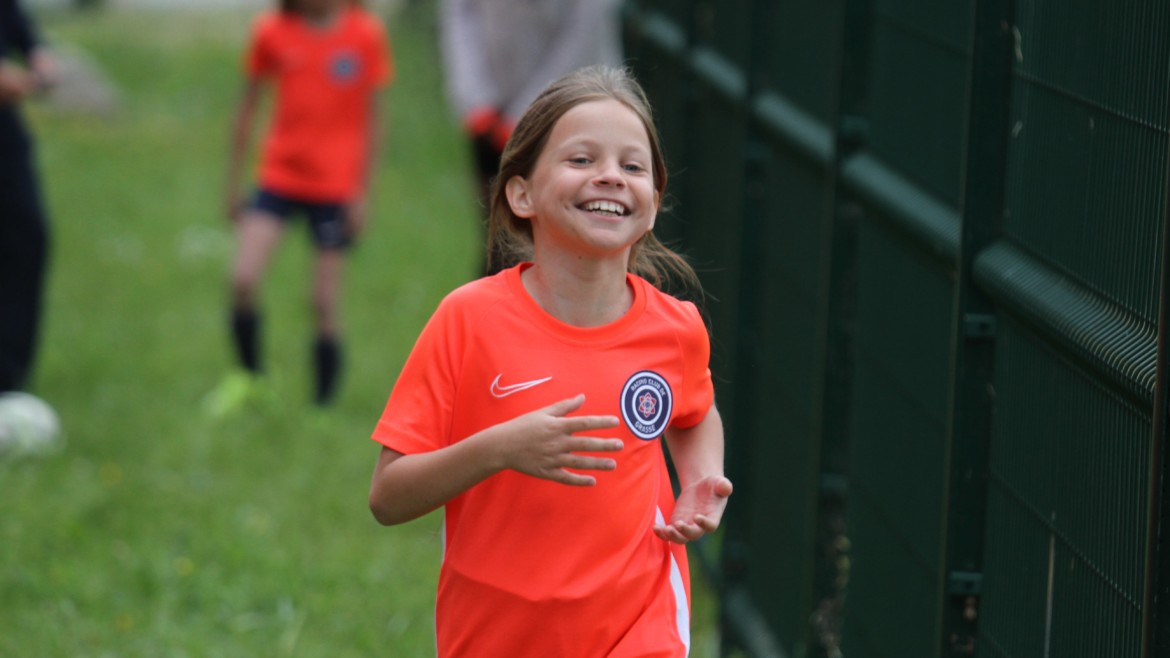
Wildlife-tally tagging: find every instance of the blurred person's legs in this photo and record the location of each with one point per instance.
(257, 235)
(331, 238)
(258, 232)
(24, 246)
(327, 343)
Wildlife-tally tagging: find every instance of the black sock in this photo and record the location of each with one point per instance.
(327, 359)
(246, 336)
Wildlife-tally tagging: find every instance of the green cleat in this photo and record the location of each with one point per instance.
(239, 391)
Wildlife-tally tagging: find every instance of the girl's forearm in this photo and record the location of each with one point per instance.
(405, 487)
(697, 452)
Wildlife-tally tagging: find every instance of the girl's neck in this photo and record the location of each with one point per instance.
(323, 18)
(588, 294)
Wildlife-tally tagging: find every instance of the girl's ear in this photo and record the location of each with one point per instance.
(519, 198)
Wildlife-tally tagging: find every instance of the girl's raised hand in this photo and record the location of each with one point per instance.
(544, 443)
(698, 510)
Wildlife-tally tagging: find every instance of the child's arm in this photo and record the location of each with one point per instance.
(542, 444)
(240, 139)
(357, 211)
(697, 453)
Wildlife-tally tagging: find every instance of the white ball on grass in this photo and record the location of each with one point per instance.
(28, 425)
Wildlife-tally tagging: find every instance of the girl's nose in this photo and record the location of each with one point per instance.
(610, 174)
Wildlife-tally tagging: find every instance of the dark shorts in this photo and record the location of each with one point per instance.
(326, 220)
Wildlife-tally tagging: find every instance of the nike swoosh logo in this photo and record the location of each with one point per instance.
(504, 391)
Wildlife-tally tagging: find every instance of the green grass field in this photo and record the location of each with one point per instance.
(158, 531)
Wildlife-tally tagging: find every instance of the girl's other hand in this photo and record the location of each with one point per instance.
(15, 83)
(544, 443)
(698, 510)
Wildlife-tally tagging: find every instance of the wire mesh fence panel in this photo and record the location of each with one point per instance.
(933, 236)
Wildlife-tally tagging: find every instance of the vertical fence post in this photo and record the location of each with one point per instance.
(973, 324)
(1155, 618)
(837, 297)
(744, 621)
(840, 275)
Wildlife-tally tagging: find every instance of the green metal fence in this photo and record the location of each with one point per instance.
(934, 238)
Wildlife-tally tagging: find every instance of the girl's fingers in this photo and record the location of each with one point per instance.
(706, 524)
(580, 463)
(688, 530)
(670, 534)
(572, 479)
(578, 423)
(588, 444)
(566, 406)
(587, 423)
(723, 488)
(681, 532)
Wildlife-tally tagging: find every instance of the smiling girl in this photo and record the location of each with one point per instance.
(532, 405)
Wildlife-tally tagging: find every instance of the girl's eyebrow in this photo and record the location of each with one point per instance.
(588, 142)
(580, 141)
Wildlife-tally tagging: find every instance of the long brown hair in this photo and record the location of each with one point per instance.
(292, 6)
(509, 238)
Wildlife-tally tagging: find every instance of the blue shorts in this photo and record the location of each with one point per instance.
(326, 220)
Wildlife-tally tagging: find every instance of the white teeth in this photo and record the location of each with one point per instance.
(606, 206)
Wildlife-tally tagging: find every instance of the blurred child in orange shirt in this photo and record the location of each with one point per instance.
(327, 60)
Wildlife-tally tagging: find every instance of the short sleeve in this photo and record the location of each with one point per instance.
(258, 59)
(381, 58)
(417, 417)
(698, 393)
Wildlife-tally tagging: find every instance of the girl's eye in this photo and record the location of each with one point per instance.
(634, 168)
(580, 160)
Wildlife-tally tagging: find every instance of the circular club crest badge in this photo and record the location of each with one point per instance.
(646, 404)
(344, 67)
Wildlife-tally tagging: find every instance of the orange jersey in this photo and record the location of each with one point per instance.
(318, 142)
(533, 567)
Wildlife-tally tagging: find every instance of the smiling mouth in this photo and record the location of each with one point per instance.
(608, 208)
